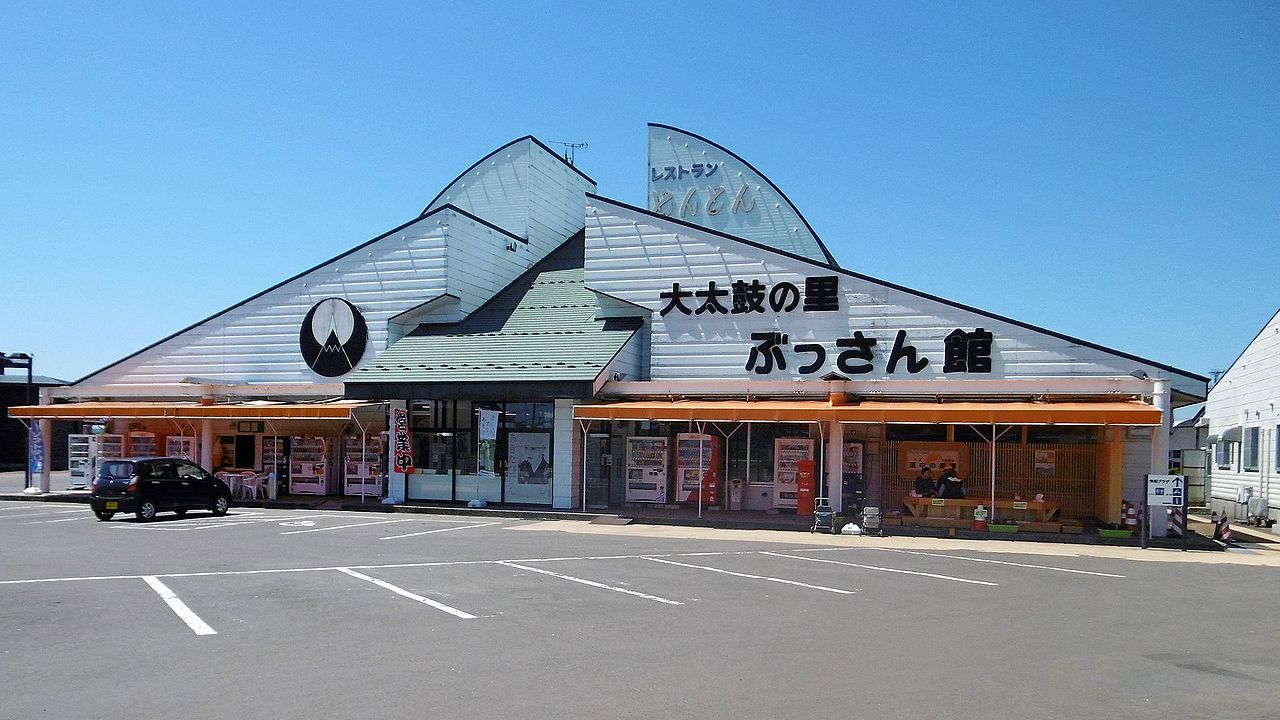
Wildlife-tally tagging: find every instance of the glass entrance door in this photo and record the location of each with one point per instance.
(597, 470)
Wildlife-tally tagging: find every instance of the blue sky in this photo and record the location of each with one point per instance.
(1106, 170)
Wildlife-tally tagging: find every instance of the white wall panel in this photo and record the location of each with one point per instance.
(686, 172)
(524, 189)
(635, 256)
(1248, 395)
(257, 341)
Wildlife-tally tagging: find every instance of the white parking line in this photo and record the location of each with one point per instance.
(343, 527)
(882, 569)
(438, 530)
(42, 522)
(747, 575)
(222, 525)
(1002, 562)
(592, 583)
(405, 593)
(179, 608)
(43, 514)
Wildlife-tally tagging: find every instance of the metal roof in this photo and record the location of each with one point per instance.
(541, 328)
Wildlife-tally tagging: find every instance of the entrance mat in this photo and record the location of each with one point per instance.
(610, 520)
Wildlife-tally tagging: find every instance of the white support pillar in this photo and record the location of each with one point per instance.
(42, 480)
(835, 464)
(206, 444)
(1161, 399)
(564, 457)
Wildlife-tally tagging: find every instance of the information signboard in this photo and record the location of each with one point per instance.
(1165, 490)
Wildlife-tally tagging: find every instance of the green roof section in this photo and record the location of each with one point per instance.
(540, 328)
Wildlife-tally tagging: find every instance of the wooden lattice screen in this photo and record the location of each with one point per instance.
(1071, 484)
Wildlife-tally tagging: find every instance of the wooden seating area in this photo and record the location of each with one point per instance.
(962, 509)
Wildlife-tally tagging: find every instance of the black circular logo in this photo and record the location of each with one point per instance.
(333, 337)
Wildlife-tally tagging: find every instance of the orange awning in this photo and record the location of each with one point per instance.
(1116, 412)
(190, 410)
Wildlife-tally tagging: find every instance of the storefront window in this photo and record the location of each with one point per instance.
(445, 434)
(532, 416)
(761, 451)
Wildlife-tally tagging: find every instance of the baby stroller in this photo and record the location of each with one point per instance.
(824, 518)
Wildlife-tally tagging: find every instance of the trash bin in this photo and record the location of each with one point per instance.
(735, 494)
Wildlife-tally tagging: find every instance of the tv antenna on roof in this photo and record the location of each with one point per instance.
(569, 147)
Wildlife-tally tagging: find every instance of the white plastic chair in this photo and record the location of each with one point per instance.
(250, 483)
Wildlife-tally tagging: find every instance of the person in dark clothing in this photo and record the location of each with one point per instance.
(950, 486)
(924, 484)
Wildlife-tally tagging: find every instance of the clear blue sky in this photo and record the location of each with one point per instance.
(1110, 170)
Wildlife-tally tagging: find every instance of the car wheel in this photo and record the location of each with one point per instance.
(104, 515)
(220, 505)
(146, 510)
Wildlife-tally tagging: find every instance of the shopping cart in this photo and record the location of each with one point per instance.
(871, 521)
(824, 517)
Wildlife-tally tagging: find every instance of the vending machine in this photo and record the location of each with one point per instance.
(646, 469)
(787, 454)
(688, 448)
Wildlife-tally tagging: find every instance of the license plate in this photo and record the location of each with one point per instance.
(113, 505)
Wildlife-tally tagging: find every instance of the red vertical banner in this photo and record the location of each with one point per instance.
(401, 450)
(805, 482)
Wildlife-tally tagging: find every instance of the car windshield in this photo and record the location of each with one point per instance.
(116, 469)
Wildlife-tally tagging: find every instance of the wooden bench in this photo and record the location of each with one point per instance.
(923, 507)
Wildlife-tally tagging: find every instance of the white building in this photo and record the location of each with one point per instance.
(1244, 429)
(524, 340)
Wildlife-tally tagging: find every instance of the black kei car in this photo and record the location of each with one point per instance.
(146, 486)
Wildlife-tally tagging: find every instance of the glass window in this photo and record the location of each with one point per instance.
(463, 415)
(1222, 454)
(762, 437)
(532, 416)
(116, 469)
(187, 471)
(433, 452)
(1249, 456)
(431, 415)
(465, 449)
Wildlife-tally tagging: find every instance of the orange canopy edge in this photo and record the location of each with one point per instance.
(1114, 412)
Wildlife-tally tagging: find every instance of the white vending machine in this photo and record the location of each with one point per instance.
(647, 459)
(79, 459)
(787, 454)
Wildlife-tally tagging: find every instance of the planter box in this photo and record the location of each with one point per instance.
(1072, 528)
(1103, 532)
(997, 528)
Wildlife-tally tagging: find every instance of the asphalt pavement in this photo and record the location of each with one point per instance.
(305, 614)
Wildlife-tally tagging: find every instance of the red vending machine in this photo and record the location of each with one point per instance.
(688, 448)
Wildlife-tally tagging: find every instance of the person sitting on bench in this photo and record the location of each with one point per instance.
(924, 486)
(950, 486)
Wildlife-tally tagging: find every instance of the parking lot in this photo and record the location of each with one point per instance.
(335, 614)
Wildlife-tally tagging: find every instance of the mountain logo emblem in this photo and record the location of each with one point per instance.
(333, 337)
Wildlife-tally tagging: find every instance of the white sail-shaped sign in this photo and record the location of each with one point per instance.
(697, 181)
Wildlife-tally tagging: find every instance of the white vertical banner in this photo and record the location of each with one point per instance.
(487, 442)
